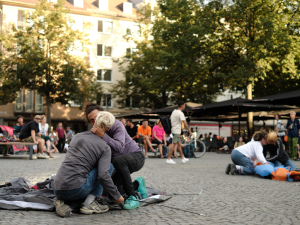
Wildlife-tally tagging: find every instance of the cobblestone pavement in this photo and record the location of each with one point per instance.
(225, 199)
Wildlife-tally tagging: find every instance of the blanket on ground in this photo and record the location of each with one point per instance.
(20, 193)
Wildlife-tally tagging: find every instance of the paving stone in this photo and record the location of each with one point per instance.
(225, 199)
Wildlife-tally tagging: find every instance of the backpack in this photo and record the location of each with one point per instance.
(188, 151)
(165, 151)
(166, 123)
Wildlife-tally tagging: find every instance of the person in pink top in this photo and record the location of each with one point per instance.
(61, 136)
(159, 137)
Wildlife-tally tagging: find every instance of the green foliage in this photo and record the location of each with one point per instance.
(254, 42)
(43, 56)
(168, 65)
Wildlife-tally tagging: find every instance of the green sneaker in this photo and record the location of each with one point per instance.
(142, 187)
(131, 203)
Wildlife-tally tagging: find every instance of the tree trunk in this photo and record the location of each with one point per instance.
(48, 112)
(250, 114)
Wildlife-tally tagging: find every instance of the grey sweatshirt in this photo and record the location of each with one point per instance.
(86, 151)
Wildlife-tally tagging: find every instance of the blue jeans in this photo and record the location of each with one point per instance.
(287, 163)
(91, 186)
(241, 160)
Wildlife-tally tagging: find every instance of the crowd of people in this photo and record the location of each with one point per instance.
(37, 131)
(156, 136)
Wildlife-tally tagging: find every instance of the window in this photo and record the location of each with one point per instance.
(19, 102)
(128, 31)
(127, 7)
(132, 101)
(107, 50)
(105, 26)
(103, 4)
(21, 18)
(28, 100)
(53, 1)
(75, 103)
(38, 102)
(104, 75)
(109, 100)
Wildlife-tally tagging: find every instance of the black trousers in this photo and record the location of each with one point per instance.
(61, 144)
(125, 165)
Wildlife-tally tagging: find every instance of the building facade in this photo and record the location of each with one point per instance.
(110, 21)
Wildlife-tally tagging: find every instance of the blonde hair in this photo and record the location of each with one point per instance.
(43, 116)
(158, 121)
(105, 118)
(272, 137)
(293, 112)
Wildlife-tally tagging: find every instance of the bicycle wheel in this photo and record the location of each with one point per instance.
(200, 148)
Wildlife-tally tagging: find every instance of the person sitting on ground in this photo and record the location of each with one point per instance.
(239, 143)
(223, 146)
(243, 156)
(53, 139)
(278, 156)
(177, 119)
(18, 127)
(61, 135)
(127, 157)
(83, 174)
(69, 134)
(30, 133)
(131, 130)
(159, 136)
(43, 127)
(144, 133)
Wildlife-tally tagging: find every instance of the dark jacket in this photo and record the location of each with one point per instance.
(296, 126)
(276, 152)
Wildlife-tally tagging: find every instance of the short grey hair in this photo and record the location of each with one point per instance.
(105, 118)
(293, 112)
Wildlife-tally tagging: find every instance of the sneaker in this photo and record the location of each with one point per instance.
(184, 160)
(131, 203)
(142, 187)
(42, 156)
(170, 161)
(94, 207)
(228, 167)
(233, 169)
(62, 209)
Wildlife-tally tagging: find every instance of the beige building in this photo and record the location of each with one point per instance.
(111, 21)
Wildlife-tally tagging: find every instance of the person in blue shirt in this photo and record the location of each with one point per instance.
(293, 127)
(69, 134)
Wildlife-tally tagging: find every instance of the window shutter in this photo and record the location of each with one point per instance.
(100, 26)
(99, 50)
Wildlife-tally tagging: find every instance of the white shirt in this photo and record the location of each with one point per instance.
(253, 150)
(176, 118)
(43, 129)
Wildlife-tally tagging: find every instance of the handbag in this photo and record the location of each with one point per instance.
(291, 126)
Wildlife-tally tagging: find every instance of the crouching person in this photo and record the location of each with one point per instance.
(83, 174)
(278, 156)
(127, 157)
(243, 156)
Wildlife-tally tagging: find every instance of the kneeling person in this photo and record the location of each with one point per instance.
(278, 156)
(83, 172)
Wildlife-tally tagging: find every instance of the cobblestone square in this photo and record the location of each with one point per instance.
(224, 199)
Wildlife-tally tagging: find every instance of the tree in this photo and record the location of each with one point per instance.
(253, 41)
(43, 56)
(169, 64)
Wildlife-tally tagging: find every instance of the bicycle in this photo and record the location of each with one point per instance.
(199, 145)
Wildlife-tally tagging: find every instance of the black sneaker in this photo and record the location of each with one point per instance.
(233, 169)
(228, 168)
(62, 209)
